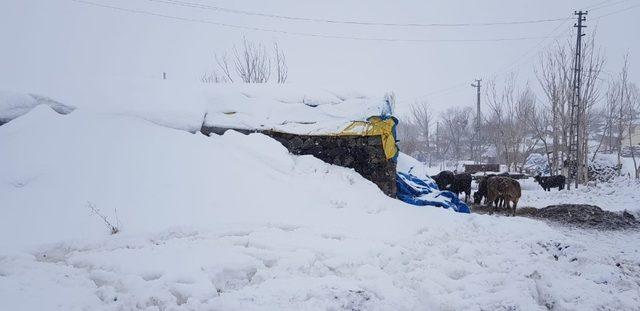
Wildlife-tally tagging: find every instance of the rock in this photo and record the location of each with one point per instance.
(296, 143)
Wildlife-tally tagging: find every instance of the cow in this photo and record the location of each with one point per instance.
(482, 190)
(548, 182)
(444, 180)
(462, 183)
(506, 188)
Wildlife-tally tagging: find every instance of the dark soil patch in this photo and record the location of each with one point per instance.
(576, 215)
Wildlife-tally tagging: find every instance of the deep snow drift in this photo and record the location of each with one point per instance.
(188, 105)
(15, 104)
(235, 222)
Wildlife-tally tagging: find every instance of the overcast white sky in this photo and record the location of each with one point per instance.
(45, 40)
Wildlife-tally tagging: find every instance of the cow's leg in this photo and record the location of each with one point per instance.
(515, 204)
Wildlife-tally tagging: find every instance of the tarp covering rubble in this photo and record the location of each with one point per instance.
(423, 191)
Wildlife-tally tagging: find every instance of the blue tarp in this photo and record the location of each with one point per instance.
(425, 192)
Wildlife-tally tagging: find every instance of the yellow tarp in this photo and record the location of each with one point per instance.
(375, 126)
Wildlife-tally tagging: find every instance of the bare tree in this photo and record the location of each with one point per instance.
(553, 73)
(633, 99)
(510, 112)
(456, 132)
(223, 64)
(541, 124)
(252, 62)
(610, 113)
(408, 138)
(280, 64)
(593, 61)
(623, 100)
(421, 117)
(249, 63)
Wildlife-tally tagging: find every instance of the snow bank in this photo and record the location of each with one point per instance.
(15, 104)
(53, 165)
(409, 165)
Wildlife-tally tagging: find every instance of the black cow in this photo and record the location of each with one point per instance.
(444, 180)
(462, 183)
(548, 182)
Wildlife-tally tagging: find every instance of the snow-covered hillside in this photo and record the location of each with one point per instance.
(234, 222)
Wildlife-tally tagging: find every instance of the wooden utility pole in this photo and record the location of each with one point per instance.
(575, 159)
(477, 135)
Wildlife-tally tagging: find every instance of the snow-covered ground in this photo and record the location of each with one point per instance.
(235, 222)
(621, 194)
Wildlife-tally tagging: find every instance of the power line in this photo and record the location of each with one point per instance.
(596, 5)
(302, 34)
(350, 22)
(447, 89)
(617, 12)
(460, 85)
(525, 56)
(604, 4)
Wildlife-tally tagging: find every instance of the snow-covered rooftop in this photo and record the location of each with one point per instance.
(287, 108)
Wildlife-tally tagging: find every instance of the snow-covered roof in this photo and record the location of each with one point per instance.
(289, 109)
(286, 108)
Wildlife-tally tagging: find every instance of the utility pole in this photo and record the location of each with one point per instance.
(477, 135)
(439, 146)
(576, 166)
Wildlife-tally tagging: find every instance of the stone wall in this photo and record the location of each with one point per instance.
(364, 154)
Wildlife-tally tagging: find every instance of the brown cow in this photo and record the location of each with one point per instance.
(506, 188)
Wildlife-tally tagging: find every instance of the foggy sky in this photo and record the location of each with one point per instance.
(48, 40)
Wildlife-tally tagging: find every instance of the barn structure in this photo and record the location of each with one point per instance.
(348, 130)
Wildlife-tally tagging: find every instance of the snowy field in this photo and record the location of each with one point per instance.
(235, 222)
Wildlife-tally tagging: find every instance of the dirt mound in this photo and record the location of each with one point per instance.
(577, 215)
(585, 216)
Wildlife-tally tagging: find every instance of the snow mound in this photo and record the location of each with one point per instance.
(15, 104)
(409, 165)
(52, 166)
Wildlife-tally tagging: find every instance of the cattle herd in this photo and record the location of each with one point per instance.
(497, 190)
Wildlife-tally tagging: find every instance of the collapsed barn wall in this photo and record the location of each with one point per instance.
(365, 154)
